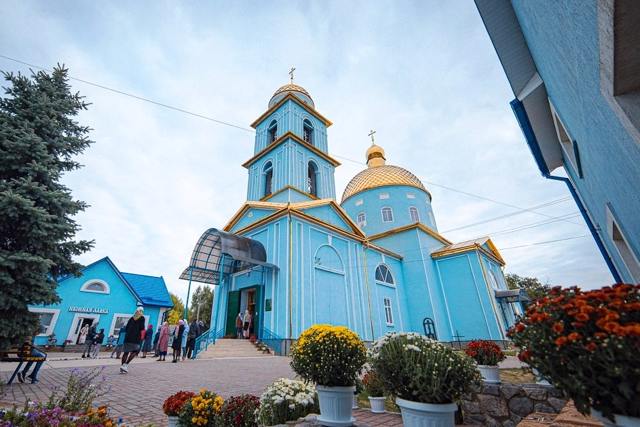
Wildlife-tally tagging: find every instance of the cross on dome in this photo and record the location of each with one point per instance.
(291, 73)
(371, 133)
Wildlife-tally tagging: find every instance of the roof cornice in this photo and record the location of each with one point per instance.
(296, 138)
(289, 187)
(290, 97)
(415, 225)
(441, 253)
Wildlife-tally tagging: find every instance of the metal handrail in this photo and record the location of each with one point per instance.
(205, 339)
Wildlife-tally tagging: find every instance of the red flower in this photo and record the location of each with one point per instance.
(560, 341)
(574, 336)
(558, 327)
(591, 347)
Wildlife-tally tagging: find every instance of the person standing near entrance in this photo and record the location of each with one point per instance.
(163, 342)
(89, 342)
(239, 326)
(97, 342)
(146, 343)
(83, 334)
(176, 344)
(246, 323)
(194, 332)
(133, 334)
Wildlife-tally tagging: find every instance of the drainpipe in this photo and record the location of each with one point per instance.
(530, 137)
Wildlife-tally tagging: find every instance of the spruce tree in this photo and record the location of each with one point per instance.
(39, 138)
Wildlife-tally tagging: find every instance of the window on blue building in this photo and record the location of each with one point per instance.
(383, 275)
(268, 178)
(97, 286)
(413, 212)
(569, 146)
(312, 179)
(387, 214)
(307, 131)
(273, 131)
(388, 313)
(362, 219)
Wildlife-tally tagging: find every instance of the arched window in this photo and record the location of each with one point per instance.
(383, 275)
(268, 178)
(307, 131)
(312, 179)
(387, 214)
(415, 216)
(97, 286)
(273, 131)
(362, 219)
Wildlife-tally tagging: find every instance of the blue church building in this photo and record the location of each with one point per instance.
(375, 262)
(102, 296)
(574, 68)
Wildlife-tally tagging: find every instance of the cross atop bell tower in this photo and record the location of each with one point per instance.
(291, 73)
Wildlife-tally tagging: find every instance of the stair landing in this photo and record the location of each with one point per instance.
(232, 348)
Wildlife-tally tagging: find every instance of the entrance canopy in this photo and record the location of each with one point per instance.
(218, 253)
(512, 295)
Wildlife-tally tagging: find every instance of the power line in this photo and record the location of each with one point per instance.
(546, 242)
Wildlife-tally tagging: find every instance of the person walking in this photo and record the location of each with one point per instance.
(185, 335)
(35, 352)
(133, 333)
(246, 323)
(120, 342)
(146, 343)
(97, 342)
(163, 342)
(194, 332)
(176, 345)
(239, 326)
(83, 334)
(89, 342)
(155, 342)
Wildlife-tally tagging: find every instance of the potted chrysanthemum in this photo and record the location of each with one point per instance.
(375, 391)
(427, 377)
(586, 344)
(487, 355)
(331, 357)
(173, 405)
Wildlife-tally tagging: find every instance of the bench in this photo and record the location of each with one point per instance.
(22, 354)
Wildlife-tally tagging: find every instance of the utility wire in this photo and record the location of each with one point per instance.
(545, 242)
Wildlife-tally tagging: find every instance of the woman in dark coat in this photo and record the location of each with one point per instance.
(146, 343)
(133, 334)
(176, 345)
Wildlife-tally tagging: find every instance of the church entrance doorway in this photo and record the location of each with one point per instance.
(239, 302)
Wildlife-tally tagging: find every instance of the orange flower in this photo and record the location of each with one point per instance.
(574, 336)
(583, 317)
(519, 327)
(558, 327)
(611, 327)
(560, 341)
(591, 346)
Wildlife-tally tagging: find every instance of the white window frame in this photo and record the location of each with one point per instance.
(566, 141)
(622, 245)
(84, 287)
(411, 210)
(54, 318)
(388, 310)
(112, 328)
(382, 210)
(411, 196)
(359, 202)
(382, 282)
(384, 196)
(361, 222)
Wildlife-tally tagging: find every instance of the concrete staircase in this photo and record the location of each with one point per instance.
(234, 348)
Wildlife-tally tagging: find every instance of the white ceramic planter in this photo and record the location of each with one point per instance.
(621, 420)
(377, 404)
(416, 414)
(335, 406)
(173, 421)
(490, 374)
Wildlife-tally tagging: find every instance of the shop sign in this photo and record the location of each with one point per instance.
(88, 310)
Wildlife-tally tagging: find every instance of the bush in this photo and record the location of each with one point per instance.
(419, 369)
(586, 344)
(202, 409)
(485, 352)
(328, 355)
(38, 415)
(240, 411)
(373, 385)
(173, 405)
(83, 387)
(286, 400)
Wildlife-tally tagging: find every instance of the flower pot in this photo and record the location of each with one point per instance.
(621, 420)
(377, 404)
(490, 374)
(173, 421)
(416, 414)
(335, 405)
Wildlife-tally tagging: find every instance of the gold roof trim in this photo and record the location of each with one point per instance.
(296, 138)
(471, 245)
(381, 176)
(288, 187)
(290, 96)
(439, 237)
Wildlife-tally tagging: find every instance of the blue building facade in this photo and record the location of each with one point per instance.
(574, 67)
(102, 296)
(374, 262)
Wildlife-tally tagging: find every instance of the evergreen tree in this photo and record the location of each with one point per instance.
(200, 307)
(39, 138)
(177, 312)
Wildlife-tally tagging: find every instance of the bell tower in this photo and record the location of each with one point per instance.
(291, 161)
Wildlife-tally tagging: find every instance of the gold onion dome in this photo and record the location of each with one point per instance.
(291, 88)
(379, 174)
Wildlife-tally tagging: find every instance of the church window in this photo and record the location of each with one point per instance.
(387, 214)
(312, 179)
(383, 275)
(273, 131)
(268, 179)
(307, 131)
(415, 216)
(411, 196)
(97, 286)
(621, 243)
(359, 202)
(384, 196)
(388, 312)
(569, 145)
(362, 219)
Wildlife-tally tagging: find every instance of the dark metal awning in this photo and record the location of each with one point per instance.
(512, 295)
(218, 253)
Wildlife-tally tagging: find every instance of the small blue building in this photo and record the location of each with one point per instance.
(103, 296)
(574, 68)
(375, 262)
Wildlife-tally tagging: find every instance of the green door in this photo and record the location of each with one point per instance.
(233, 308)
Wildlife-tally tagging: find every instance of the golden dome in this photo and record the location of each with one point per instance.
(379, 174)
(300, 92)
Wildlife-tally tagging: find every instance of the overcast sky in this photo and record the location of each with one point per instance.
(423, 74)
